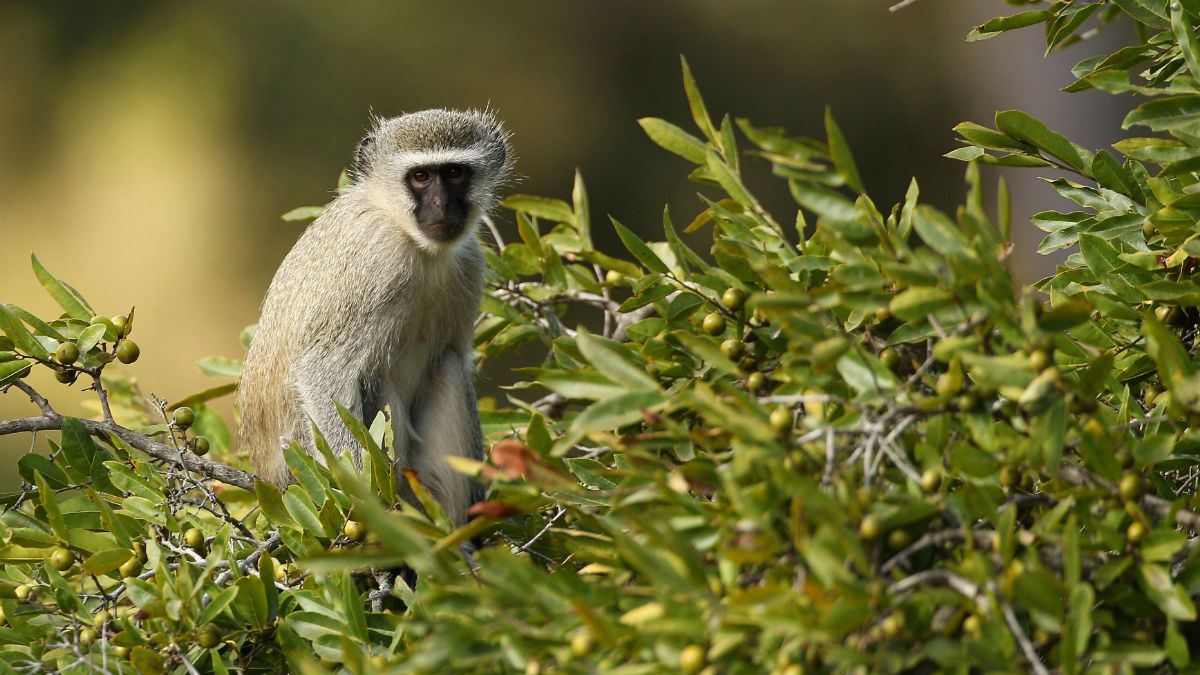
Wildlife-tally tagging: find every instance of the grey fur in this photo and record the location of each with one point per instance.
(367, 312)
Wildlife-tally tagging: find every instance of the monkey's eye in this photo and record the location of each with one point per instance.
(419, 178)
(455, 173)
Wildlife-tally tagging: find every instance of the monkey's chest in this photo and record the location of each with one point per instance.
(419, 342)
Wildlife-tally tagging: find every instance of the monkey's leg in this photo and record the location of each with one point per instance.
(446, 422)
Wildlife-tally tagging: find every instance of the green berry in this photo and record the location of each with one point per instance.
(733, 298)
(208, 636)
(713, 324)
(755, 382)
(66, 376)
(121, 323)
(128, 351)
(733, 348)
(200, 446)
(890, 358)
(183, 417)
(193, 537)
(781, 419)
(67, 353)
(61, 559)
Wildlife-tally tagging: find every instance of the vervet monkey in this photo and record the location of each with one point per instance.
(375, 306)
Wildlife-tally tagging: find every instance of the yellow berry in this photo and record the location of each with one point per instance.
(931, 479)
(1135, 532)
(870, 527)
(581, 643)
(354, 530)
(691, 659)
(781, 419)
(1131, 487)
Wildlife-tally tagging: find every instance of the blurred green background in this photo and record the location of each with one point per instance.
(147, 149)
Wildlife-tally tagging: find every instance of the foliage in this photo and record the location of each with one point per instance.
(844, 441)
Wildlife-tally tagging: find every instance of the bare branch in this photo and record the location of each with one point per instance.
(216, 470)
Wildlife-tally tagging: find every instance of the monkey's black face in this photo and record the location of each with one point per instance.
(441, 194)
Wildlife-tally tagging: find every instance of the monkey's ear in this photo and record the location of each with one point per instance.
(362, 156)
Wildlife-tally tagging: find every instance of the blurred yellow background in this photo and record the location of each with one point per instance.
(147, 149)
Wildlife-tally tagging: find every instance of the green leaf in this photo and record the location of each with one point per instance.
(90, 337)
(674, 139)
(218, 604)
(606, 356)
(303, 213)
(729, 181)
(204, 396)
(581, 211)
(302, 510)
(270, 500)
(1166, 114)
(20, 336)
(696, 103)
(915, 304)
(993, 27)
(1150, 12)
(1174, 601)
(940, 233)
(1167, 351)
(49, 501)
(617, 411)
(147, 662)
(639, 249)
(1185, 37)
(541, 207)
(10, 371)
(220, 366)
(1023, 127)
(103, 562)
(839, 151)
(71, 303)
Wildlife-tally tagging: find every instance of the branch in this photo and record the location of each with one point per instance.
(1157, 506)
(52, 421)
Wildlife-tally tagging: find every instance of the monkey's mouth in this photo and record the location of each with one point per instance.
(444, 231)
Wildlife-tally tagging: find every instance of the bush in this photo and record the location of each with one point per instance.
(851, 443)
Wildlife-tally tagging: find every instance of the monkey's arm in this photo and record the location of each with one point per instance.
(447, 423)
(318, 387)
